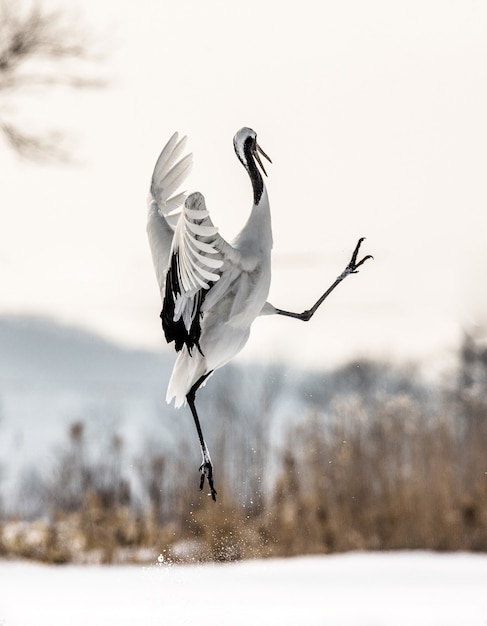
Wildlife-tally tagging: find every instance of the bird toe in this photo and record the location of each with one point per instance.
(206, 470)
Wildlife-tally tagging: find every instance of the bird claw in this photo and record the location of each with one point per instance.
(206, 470)
(353, 266)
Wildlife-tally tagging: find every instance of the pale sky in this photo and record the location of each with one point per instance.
(374, 114)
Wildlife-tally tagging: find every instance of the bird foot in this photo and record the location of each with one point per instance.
(206, 470)
(352, 267)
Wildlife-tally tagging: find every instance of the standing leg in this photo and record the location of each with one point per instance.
(352, 268)
(206, 467)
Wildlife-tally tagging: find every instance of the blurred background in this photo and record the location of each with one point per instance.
(365, 427)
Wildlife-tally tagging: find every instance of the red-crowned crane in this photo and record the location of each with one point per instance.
(211, 290)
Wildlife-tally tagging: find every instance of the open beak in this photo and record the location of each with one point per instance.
(257, 157)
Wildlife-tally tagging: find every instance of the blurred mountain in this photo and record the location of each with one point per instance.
(40, 350)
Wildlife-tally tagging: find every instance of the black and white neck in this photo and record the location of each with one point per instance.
(245, 144)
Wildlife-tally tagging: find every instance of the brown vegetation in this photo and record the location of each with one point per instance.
(378, 466)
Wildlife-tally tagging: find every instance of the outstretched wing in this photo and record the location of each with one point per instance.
(195, 265)
(191, 259)
(170, 172)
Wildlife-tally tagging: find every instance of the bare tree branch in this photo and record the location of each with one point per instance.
(34, 147)
(40, 50)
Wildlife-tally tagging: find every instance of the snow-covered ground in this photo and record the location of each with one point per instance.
(387, 589)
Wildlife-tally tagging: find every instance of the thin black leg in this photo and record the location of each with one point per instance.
(352, 268)
(206, 467)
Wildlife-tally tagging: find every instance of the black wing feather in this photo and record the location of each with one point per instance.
(176, 330)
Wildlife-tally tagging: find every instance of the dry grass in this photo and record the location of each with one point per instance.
(373, 469)
(397, 479)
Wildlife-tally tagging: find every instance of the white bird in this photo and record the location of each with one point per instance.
(211, 290)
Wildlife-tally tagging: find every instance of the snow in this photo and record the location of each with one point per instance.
(366, 589)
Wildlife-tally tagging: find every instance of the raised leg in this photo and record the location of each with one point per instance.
(206, 467)
(352, 268)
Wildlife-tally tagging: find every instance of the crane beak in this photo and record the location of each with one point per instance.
(257, 157)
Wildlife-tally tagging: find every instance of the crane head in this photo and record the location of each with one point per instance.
(245, 144)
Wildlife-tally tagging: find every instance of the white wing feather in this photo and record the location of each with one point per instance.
(197, 259)
(170, 172)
